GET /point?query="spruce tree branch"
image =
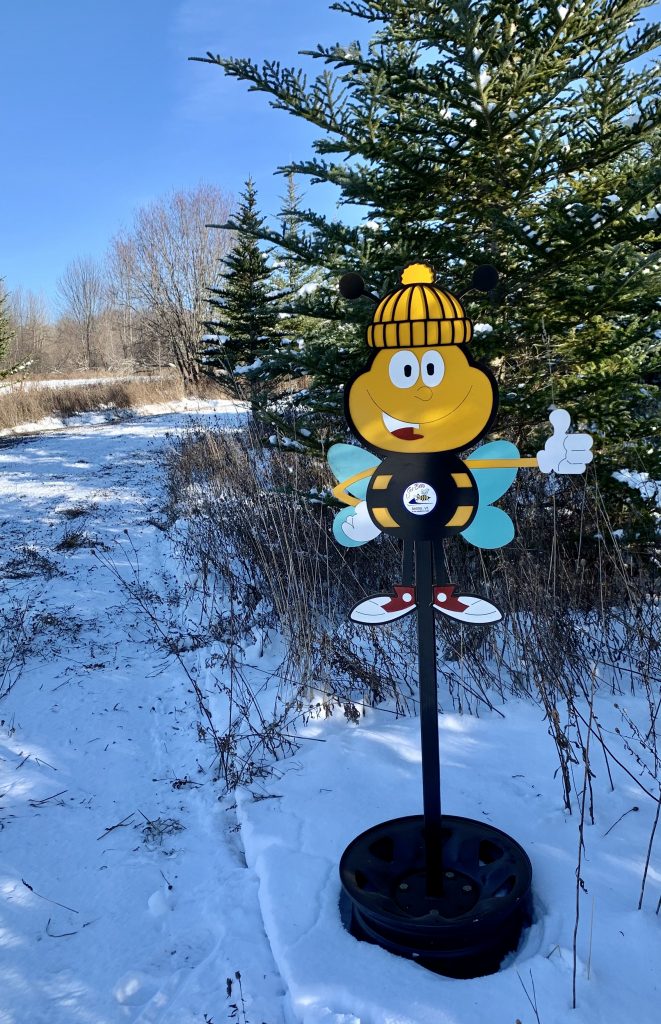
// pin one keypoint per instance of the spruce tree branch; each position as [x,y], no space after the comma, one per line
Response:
[359,9]
[288,88]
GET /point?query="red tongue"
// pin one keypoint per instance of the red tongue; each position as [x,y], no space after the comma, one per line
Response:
[406,433]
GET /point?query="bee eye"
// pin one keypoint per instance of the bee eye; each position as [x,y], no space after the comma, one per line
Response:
[404,369]
[433,368]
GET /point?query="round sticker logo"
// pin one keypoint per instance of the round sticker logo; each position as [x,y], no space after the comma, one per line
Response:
[419,499]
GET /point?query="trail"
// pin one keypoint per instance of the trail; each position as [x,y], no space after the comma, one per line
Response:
[124,893]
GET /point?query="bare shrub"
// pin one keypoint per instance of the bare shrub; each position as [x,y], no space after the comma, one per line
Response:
[255,525]
[258,521]
[17,634]
[253,531]
[28,563]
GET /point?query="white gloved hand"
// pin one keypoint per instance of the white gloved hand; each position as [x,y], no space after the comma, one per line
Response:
[563,452]
[359,527]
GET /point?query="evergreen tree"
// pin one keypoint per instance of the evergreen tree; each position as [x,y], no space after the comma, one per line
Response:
[309,343]
[523,134]
[293,276]
[244,324]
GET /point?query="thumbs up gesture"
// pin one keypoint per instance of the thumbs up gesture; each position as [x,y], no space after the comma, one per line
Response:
[564,452]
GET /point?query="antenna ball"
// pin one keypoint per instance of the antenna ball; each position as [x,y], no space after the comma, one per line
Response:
[351,286]
[485,278]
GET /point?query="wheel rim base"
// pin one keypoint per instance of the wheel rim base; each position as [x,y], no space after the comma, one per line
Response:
[464,932]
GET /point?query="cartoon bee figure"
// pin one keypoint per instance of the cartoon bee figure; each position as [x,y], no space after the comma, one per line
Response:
[420,400]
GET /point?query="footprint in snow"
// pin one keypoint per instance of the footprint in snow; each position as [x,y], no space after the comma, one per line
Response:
[135,988]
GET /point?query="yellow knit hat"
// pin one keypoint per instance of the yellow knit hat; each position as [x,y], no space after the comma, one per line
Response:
[418,314]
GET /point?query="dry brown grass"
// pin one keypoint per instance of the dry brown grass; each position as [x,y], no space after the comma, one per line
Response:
[24,404]
[256,538]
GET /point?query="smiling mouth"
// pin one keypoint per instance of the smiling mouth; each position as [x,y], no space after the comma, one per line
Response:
[400,428]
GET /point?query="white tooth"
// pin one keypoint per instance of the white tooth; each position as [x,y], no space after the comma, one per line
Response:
[391,424]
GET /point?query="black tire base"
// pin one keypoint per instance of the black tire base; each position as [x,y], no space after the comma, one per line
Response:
[470,926]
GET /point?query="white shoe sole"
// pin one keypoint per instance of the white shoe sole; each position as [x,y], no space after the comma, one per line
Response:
[478,613]
[372,613]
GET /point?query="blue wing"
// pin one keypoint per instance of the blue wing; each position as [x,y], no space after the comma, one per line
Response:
[345,460]
[492,528]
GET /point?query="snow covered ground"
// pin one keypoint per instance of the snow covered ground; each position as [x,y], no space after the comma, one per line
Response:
[129,892]
[73,382]
[51,423]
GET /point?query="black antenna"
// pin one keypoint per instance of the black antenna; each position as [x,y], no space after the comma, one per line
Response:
[484,279]
[353,287]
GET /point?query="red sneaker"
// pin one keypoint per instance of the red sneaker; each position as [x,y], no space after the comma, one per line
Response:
[465,608]
[385,607]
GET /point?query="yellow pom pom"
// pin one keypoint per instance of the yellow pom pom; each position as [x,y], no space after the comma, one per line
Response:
[417,273]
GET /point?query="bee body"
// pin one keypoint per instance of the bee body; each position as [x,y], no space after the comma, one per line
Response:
[422,497]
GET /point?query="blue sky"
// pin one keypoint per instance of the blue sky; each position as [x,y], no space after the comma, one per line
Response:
[102,113]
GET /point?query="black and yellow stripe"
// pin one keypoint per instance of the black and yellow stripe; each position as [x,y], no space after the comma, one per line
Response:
[419,315]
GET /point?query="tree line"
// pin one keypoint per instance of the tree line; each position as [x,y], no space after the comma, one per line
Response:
[140,306]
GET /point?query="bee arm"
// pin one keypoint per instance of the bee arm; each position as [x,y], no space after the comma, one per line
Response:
[341,490]
[501,463]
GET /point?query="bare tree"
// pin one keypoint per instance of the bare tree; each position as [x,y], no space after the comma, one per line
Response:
[32,328]
[163,266]
[121,294]
[6,325]
[82,293]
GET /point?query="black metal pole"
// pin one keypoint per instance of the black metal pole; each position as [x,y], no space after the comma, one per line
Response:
[431,770]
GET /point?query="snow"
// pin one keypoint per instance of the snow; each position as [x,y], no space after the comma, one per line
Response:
[255,365]
[131,889]
[287,442]
[28,385]
[649,489]
[100,417]
[482,328]
[101,919]
[307,289]
[295,832]
[652,214]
